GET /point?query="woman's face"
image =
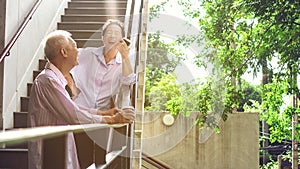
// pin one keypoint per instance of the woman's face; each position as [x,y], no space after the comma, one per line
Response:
[113,35]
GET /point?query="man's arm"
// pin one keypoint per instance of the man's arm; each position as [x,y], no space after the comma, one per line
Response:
[63,106]
[66,108]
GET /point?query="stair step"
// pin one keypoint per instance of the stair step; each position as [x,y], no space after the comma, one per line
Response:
[36,73]
[24,104]
[86,34]
[14,158]
[96,11]
[17,146]
[108,4]
[42,64]
[89,42]
[29,85]
[80,25]
[90,18]
[20,119]
[23,145]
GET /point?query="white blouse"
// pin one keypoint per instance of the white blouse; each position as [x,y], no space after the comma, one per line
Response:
[99,82]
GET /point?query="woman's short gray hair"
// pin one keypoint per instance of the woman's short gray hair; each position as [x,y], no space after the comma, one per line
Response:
[111,22]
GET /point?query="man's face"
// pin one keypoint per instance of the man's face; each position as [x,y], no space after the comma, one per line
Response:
[113,35]
[73,52]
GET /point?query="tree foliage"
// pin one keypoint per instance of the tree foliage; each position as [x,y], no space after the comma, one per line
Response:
[243,34]
[251,94]
[162,59]
[163,91]
[192,97]
[238,35]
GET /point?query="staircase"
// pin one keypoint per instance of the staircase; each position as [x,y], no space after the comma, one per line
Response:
[84,19]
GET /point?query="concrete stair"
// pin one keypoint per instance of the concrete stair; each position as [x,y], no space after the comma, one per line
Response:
[9,156]
[95,11]
[97,4]
[80,25]
[88,34]
[84,19]
[88,18]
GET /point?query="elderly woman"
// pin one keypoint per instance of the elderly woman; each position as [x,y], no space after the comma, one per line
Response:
[103,70]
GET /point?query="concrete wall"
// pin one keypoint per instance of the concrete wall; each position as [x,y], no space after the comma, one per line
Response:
[184,146]
[27,50]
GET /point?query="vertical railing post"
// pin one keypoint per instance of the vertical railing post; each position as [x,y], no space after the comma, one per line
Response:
[140,86]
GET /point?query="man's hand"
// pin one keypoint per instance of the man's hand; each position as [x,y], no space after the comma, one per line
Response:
[115,119]
[128,114]
[109,112]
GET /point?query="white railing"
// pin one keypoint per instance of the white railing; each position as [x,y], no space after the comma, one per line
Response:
[54,144]
[21,135]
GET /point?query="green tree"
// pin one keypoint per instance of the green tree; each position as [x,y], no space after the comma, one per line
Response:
[250,34]
[251,93]
[243,33]
[163,91]
[162,59]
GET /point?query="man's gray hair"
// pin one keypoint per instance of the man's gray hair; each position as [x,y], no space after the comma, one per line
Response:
[54,41]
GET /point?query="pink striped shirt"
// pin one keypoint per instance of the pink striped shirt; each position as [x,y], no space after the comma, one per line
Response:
[50,104]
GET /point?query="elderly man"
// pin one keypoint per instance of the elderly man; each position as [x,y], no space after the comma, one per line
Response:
[51,104]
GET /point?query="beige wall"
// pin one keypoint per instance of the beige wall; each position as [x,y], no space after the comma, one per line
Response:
[183,146]
[27,50]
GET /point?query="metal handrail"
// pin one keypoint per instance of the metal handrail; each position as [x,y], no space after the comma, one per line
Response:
[16,136]
[7,48]
[154,162]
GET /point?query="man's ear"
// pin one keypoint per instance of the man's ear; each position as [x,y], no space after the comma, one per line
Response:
[63,51]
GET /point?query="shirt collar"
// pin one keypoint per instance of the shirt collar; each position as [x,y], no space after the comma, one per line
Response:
[99,53]
[57,72]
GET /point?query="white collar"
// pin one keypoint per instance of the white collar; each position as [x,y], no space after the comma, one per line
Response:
[57,72]
[99,53]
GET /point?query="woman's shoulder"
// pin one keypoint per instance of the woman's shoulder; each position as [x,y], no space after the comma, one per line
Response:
[90,51]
